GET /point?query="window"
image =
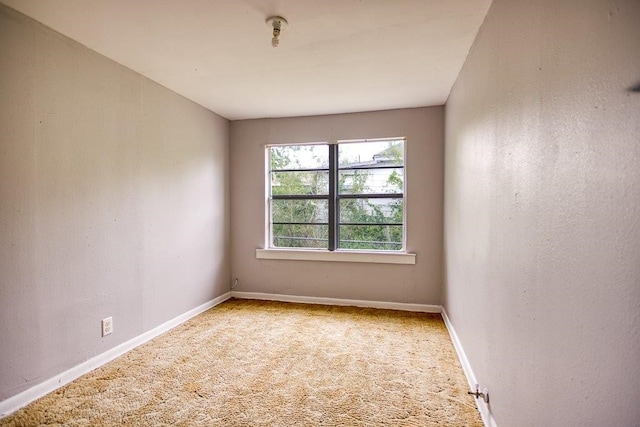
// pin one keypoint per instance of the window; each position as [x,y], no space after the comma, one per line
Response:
[347,195]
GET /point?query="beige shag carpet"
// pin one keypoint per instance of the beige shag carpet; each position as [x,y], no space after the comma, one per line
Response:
[258,363]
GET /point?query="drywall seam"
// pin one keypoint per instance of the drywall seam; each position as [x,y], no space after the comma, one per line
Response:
[16,402]
[485,410]
[426,308]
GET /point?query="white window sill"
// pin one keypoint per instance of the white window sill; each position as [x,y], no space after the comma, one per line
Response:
[337,256]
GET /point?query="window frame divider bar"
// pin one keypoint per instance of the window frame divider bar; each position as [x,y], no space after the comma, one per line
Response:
[300,170]
[333,201]
[372,196]
[300,196]
[359,168]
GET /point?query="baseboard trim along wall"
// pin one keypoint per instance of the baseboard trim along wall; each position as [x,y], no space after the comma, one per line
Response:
[16,402]
[485,410]
[426,308]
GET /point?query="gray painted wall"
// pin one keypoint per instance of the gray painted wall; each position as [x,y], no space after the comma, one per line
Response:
[419,283]
[542,202]
[114,202]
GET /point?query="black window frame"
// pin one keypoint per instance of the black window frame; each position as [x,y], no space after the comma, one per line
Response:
[333,197]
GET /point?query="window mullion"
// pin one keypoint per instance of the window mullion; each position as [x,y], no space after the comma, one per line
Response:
[333,197]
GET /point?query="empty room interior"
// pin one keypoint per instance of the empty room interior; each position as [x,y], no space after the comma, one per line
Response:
[305,212]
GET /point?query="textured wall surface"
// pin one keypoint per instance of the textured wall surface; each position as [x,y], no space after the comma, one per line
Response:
[113,203]
[542,208]
[419,283]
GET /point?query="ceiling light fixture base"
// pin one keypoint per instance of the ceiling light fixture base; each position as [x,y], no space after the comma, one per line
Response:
[278,23]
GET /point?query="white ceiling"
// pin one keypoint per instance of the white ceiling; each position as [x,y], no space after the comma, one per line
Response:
[335,56]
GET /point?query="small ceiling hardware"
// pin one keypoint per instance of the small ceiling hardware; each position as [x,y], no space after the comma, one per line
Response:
[278,23]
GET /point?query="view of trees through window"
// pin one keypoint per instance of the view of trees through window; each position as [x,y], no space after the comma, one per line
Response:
[364,210]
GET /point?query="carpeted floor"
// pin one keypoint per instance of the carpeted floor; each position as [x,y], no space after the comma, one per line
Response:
[257,363]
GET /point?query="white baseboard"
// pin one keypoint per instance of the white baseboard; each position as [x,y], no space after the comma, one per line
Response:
[426,308]
[16,402]
[22,399]
[483,407]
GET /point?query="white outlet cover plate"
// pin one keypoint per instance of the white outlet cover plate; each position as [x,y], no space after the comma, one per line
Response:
[107,326]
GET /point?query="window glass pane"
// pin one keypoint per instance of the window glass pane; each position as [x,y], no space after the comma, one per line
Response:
[305,211]
[371,237]
[299,183]
[371,181]
[367,174]
[371,154]
[300,236]
[371,211]
[299,157]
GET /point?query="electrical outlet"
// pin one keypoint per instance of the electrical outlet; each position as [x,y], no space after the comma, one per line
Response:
[107,326]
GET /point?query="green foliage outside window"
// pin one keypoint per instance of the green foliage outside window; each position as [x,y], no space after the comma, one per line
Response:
[376,222]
